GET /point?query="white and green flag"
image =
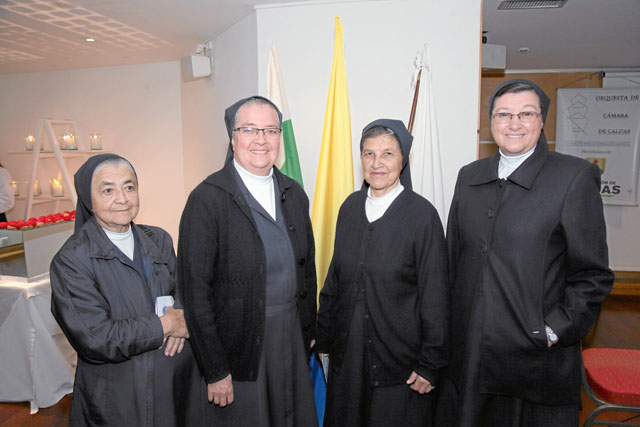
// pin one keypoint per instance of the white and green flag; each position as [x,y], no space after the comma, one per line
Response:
[287,161]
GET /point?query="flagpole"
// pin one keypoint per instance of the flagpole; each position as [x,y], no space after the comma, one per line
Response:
[426,159]
[412,115]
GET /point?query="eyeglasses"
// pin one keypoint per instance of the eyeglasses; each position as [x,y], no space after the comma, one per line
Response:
[269,133]
[524,116]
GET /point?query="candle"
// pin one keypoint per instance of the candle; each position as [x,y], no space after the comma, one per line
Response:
[16,189]
[36,188]
[70,140]
[62,142]
[94,139]
[28,142]
[56,187]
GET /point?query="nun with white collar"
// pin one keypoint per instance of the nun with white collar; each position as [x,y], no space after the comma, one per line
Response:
[384,308]
[247,277]
[528,271]
[108,282]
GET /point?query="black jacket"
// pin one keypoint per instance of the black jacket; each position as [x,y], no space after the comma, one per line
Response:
[222,273]
[107,313]
[534,245]
[399,264]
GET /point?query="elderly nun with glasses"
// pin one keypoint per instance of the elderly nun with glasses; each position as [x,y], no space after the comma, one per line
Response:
[528,272]
[384,306]
[248,280]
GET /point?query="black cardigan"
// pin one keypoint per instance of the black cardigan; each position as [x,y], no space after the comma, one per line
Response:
[222,273]
[401,262]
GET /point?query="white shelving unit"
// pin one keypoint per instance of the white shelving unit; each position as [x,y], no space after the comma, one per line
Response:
[45,128]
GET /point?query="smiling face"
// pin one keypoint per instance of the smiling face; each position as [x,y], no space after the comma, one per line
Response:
[514,137]
[381,163]
[256,153]
[114,196]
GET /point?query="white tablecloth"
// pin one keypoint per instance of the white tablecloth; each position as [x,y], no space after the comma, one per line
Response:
[37,363]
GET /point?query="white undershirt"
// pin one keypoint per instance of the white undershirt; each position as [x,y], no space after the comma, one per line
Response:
[375,207]
[124,241]
[260,187]
[507,165]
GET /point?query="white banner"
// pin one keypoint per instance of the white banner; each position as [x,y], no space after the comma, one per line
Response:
[603,127]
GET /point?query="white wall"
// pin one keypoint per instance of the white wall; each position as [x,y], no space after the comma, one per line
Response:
[381,39]
[234,76]
[173,131]
[135,108]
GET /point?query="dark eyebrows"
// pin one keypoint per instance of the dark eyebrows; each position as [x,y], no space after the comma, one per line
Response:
[111,183]
[253,125]
[535,107]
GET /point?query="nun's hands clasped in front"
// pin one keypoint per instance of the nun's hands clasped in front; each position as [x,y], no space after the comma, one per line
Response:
[384,308]
[108,282]
[115,204]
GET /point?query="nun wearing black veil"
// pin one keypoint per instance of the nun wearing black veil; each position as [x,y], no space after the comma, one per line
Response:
[384,308]
[248,280]
[528,271]
[135,367]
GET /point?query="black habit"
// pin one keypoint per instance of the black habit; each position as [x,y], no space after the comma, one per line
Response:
[524,252]
[384,312]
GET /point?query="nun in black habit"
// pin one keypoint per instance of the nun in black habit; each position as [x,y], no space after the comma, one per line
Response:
[528,272]
[384,308]
[134,366]
[247,276]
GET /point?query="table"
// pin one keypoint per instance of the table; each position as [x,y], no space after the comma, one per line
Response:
[37,363]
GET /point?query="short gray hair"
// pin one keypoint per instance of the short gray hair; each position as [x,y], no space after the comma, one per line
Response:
[377,131]
[115,162]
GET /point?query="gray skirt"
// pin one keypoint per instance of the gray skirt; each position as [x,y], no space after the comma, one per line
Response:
[282,394]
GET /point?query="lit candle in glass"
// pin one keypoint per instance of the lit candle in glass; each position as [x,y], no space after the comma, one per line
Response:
[94,140]
[70,140]
[28,142]
[36,188]
[55,187]
[16,189]
[62,142]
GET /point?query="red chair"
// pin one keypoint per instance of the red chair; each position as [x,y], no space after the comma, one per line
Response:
[611,378]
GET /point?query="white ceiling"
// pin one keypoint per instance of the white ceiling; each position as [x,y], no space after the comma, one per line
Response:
[583,34]
[47,35]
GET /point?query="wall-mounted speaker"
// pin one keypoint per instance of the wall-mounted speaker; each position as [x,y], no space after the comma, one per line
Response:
[195,67]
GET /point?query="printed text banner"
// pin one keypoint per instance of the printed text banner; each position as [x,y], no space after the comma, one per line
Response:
[603,127]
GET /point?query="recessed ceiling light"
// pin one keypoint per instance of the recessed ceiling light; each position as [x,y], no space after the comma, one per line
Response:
[523,49]
[89,39]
